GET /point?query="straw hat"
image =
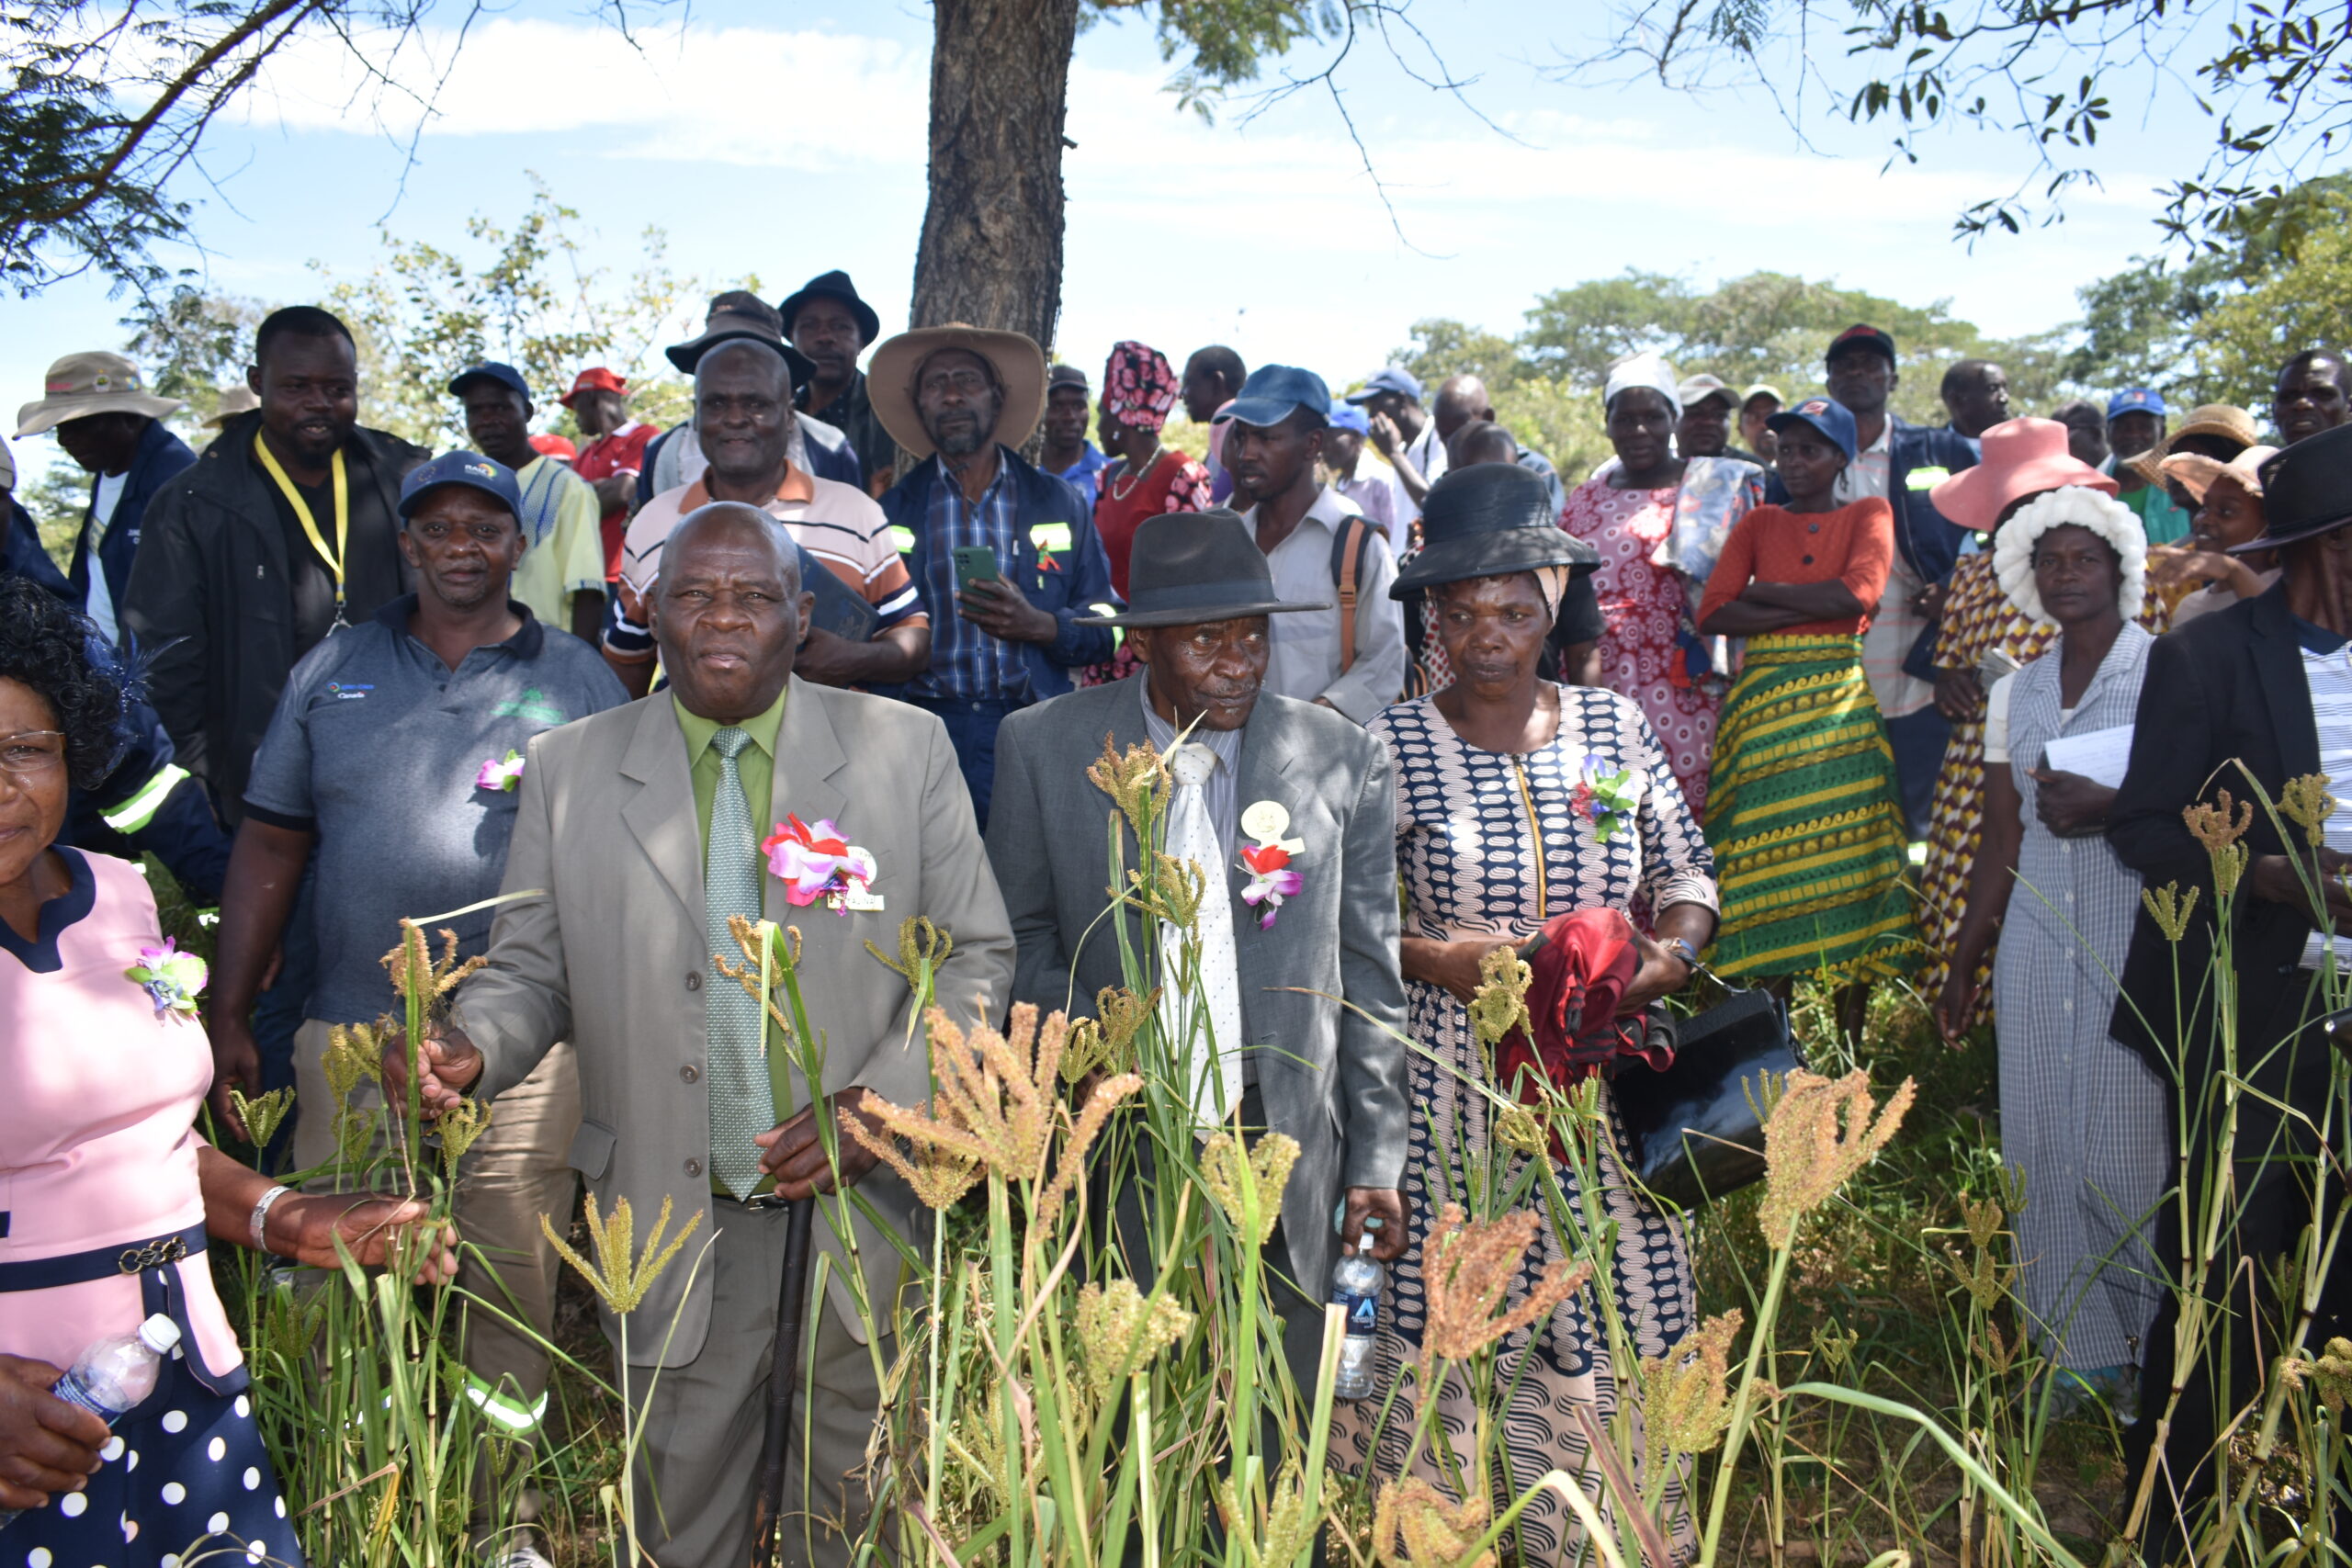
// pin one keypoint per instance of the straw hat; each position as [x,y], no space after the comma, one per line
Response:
[82,384]
[1020,368]
[2225,420]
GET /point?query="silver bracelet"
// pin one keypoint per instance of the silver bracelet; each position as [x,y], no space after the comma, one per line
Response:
[260,1215]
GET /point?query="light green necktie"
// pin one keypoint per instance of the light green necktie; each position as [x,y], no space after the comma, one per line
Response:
[742,1101]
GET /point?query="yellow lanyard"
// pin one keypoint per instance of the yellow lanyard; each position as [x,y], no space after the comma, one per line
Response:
[310,524]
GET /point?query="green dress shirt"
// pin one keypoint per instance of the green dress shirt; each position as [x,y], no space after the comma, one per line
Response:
[757,766]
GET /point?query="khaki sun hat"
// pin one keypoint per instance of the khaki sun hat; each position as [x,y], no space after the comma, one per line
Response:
[1020,367]
[234,400]
[2199,474]
[82,384]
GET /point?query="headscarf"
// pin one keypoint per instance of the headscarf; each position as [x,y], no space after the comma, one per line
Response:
[1643,369]
[2085,508]
[1139,386]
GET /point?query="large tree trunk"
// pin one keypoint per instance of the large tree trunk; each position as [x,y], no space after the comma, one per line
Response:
[992,252]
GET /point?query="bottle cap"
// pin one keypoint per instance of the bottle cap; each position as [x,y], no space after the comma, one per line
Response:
[160,1334]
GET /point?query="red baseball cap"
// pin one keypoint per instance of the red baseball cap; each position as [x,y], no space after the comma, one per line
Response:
[595,379]
[555,446]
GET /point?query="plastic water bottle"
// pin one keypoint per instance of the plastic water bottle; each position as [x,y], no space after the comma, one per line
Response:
[1357,1281]
[115,1374]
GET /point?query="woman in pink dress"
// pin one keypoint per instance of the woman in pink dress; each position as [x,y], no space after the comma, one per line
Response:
[111,1195]
[1659,521]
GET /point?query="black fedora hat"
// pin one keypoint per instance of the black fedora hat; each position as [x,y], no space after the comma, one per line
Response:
[1188,568]
[833,285]
[738,315]
[1488,520]
[2306,490]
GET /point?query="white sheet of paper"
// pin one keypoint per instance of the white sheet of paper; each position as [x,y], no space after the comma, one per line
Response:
[2101,755]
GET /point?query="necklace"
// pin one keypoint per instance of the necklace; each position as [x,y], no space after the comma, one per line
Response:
[1159,450]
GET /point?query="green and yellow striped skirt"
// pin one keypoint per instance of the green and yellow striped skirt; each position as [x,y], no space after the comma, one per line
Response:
[1804,819]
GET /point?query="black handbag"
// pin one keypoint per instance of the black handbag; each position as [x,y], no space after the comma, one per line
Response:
[1693,1129]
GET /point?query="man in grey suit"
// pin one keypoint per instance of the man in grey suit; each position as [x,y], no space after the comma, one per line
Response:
[635,831]
[1270,770]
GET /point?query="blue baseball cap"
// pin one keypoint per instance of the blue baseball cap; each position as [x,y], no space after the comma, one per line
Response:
[1833,419]
[1345,415]
[2136,399]
[1273,391]
[484,474]
[504,375]
[1394,378]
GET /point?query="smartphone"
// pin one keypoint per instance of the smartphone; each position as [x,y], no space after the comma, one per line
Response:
[975,563]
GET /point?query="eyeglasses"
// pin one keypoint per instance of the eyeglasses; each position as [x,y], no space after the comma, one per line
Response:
[30,754]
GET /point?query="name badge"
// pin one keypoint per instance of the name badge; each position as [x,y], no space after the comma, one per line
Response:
[862,902]
[1049,537]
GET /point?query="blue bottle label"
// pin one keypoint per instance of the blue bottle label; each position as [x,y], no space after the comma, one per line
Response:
[1363,1311]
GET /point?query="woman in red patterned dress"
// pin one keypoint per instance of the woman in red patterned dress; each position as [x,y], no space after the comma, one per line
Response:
[1148,478]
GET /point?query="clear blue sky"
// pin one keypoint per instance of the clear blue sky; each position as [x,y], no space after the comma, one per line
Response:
[786,138]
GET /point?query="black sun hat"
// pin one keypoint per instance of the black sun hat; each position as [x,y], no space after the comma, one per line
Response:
[1190,569]
[2306,490]
[1489,520]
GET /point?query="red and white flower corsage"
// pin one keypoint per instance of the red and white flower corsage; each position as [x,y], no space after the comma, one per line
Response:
[816,863]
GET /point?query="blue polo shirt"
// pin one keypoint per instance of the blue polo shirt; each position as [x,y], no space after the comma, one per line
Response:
[374,747]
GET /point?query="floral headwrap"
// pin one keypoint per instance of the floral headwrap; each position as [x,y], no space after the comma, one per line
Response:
[1139,386]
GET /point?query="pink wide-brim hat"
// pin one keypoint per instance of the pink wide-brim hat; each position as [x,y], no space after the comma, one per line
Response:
[2022,458]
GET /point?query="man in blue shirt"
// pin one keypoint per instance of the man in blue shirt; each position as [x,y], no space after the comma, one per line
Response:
[393,756]
[1065,453]
[1004,554]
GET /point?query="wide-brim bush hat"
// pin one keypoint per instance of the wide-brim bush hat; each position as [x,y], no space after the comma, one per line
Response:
[2306,490]
[1489,520]
[2197,474]
[738,314]
[2022,458]
[2083,507]
[81,385]
[1020,367]
[1193,568]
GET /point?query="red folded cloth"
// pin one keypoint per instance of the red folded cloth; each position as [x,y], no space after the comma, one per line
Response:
[1582,964]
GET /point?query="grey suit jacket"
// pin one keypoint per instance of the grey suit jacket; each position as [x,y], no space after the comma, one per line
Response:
[1332,1075]
[613,957]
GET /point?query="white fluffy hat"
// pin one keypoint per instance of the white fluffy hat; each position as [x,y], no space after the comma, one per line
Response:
[2083,508]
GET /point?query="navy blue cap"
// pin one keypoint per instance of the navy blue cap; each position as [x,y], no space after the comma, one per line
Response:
[2136,399]
[1868,336]
[504,375]
[1274,391]
[484,474]
[1833,419]
[1393,378]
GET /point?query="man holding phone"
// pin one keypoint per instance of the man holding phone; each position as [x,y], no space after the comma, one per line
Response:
[1009,549]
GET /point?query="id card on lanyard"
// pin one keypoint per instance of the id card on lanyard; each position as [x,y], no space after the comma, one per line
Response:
[334,557]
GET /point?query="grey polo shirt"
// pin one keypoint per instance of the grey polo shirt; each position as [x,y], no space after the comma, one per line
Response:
[374,747]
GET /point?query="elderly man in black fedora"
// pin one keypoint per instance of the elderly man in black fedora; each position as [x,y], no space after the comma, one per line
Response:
[827,321]
[2254,695]
[1253,769]
[1004,554]
[675,456]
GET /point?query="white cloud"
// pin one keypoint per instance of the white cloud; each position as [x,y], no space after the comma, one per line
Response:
[756,96]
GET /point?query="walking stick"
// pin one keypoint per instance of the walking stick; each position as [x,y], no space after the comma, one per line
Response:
[784,1375]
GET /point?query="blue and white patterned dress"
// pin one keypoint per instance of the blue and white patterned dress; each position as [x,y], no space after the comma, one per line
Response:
[1474,865]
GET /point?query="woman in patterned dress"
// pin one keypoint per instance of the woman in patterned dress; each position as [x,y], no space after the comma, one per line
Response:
[1496,833]
[1147,476]
[2023,458]
[2083,1117]
[1659,521]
